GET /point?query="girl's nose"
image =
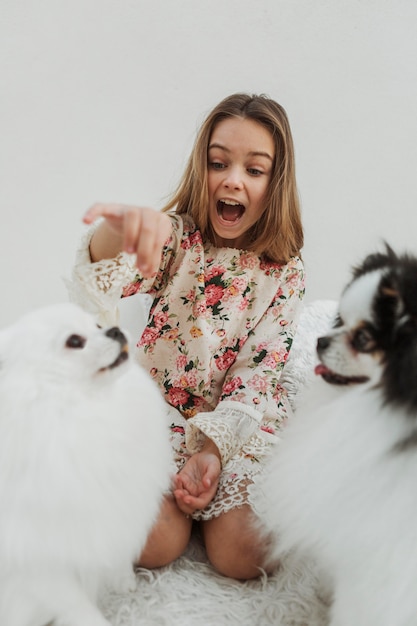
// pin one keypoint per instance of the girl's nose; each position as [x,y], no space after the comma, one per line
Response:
[233,179]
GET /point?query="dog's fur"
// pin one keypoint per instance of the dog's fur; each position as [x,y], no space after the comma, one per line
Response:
[84,461]
[342,485]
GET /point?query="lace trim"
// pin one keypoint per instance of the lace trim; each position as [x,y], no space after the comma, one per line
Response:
[97,287]
[230,426]
[238,481]
[240,473]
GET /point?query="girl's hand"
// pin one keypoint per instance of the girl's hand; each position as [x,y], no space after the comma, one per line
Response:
[136,230]
[196,484]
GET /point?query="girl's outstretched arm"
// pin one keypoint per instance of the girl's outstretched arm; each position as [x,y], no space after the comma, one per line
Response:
[136,230]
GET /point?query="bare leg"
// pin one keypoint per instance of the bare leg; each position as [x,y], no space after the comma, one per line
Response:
[168,538]
[234,545]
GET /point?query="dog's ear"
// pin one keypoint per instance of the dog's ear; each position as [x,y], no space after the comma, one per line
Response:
[396,311]
[376,261]
[389,300]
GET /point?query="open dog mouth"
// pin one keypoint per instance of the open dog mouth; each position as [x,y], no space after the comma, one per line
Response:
[337,379]
[230,210]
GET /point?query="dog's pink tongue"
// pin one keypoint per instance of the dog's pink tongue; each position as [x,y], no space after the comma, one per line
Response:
[230,212]
[321,369]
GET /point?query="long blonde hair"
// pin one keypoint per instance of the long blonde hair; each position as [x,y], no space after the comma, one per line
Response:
[278,234]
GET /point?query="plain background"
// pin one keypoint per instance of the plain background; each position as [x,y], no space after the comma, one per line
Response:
[101,100]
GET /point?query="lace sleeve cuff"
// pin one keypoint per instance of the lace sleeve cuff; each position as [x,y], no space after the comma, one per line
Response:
[229,426]
[97,287]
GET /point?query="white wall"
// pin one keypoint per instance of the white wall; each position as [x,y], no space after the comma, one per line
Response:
[100,100]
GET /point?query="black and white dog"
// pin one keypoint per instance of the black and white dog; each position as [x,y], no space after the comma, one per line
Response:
[343,484]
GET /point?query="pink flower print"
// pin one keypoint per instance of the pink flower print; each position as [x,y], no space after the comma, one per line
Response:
[177,396]
[149,336]
[181,382]
[271,360]
[172,334]
[131,289]
[177,429]
[268,429]
[238,397]
[258,383]
[192,240]
[198,402]
[186,380]
[190,296]
[282,352]
[267,266]
[181,361]
[277,310]
[229,293]
[213,294]
[199,309]
[247,261]
[276,356]
[195,237]
[232,385]
[186,244]
[160,319]
[216,270]
[242,341]
[191,380]
[240,283]
[277,395]
[293,279]
[227,359]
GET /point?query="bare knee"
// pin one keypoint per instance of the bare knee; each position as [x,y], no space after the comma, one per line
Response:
[234,545]
[168,538]
[239,566]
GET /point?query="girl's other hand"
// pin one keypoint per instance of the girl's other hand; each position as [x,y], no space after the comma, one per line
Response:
[195,486]
[136,230]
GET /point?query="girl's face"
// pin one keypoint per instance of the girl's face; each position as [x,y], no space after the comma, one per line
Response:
[240,160]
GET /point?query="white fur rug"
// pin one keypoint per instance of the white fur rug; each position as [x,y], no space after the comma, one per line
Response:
[190,592]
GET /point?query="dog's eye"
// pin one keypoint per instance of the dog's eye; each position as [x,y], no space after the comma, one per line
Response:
[75,341]
[363,340]
[338,322]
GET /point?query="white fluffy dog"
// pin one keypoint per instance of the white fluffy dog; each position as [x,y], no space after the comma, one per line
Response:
[84,460]
[343,484]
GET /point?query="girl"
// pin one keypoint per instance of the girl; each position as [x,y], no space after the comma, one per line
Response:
[222,264]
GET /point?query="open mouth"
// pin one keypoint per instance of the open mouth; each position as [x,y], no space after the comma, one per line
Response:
[122,357]
[230,210]
[337,379]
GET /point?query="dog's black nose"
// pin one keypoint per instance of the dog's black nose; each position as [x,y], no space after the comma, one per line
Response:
[322,343]
[116,334]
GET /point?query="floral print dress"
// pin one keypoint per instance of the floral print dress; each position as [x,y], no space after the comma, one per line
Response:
[219,332]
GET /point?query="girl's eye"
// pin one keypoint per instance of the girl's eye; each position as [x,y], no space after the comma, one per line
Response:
[254,172]
[217,166]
